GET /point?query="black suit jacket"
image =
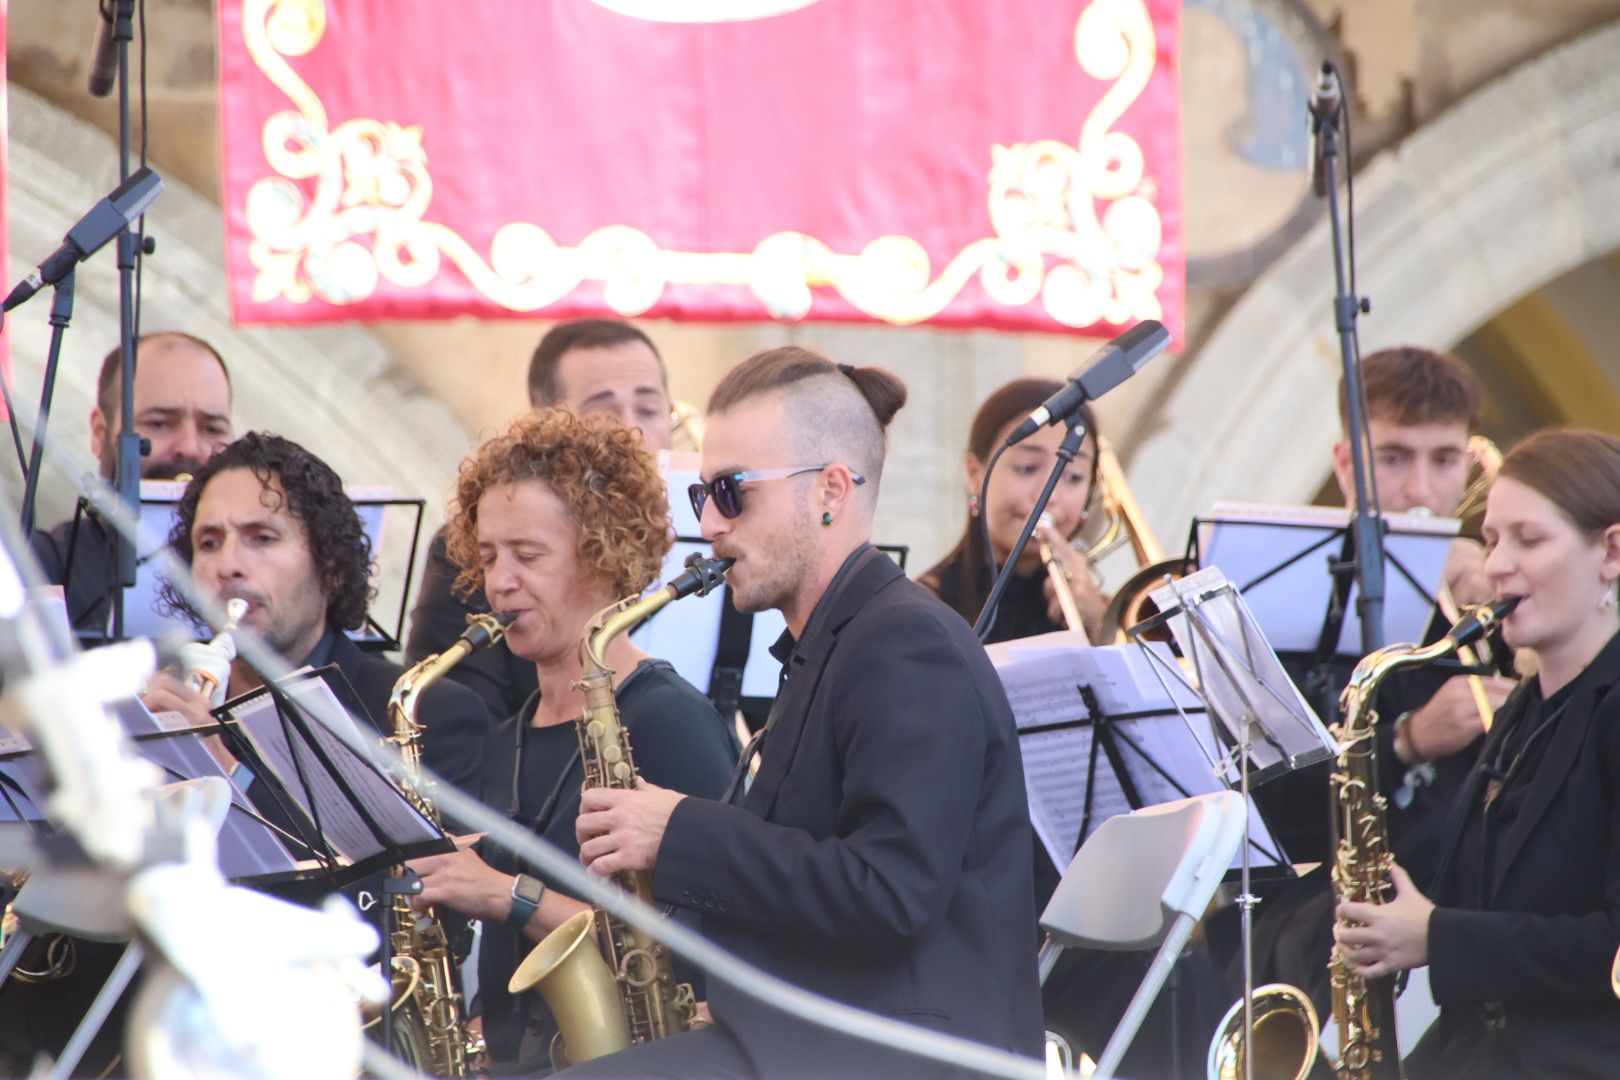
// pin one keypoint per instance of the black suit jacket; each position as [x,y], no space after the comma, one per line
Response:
[1524,985]
[882,855]
[88,583]
[503,681]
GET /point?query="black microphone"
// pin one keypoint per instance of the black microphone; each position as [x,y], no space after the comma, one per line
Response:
[106,219]
[104,61]
[1324,107]
[1108,367]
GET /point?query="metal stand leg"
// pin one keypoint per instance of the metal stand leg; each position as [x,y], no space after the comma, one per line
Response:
[15,944]
[113,989]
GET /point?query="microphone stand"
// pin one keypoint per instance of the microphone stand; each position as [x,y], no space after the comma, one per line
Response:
[1366,525]
[129,443]
[1065,454]
[61,315]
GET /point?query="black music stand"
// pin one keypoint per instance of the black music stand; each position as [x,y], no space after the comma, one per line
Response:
[1096,734]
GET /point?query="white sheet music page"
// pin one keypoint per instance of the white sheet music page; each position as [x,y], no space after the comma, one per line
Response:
[1278,556]
[1042,677]
[345,830]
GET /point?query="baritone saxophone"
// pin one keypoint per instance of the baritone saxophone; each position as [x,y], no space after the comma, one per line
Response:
[430,1032]
[626,993]
[1364,1009]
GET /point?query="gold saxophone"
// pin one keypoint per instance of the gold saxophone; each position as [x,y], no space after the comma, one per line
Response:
[1364,1009]
[430,1031]
[626,993]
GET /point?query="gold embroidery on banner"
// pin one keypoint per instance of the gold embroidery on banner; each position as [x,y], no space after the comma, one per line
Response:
[1074,225]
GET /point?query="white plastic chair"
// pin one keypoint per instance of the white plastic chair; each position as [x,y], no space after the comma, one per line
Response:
[1141,881]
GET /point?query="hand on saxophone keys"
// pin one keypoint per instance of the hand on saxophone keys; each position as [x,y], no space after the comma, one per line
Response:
[621,829]
[1376,940]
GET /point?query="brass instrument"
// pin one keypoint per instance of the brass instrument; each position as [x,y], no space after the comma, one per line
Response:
[1486,462]
[1119,515]
[1114,519]
[430,1032]
[204,682]
[1061,585]
[1365,1009]
[686,426]
[1284,1041]
[626,993]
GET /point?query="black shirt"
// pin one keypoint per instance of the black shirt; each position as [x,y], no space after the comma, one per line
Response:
[534,774]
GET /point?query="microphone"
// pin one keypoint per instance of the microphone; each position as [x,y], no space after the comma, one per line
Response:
[1108,367]
[104,61]
[1324,108]
[106,219]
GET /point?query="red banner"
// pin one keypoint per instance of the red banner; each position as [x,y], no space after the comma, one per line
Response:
[956,162]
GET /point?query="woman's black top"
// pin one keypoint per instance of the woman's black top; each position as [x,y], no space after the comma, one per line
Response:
[534,774]
[1021,613]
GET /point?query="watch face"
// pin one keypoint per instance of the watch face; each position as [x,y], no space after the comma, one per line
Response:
[527,888]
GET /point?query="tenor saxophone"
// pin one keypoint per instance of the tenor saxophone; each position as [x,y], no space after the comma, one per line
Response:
[431,1031]
[1364,1009]
[626,993]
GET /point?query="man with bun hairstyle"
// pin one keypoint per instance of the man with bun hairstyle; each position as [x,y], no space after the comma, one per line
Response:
[881,854]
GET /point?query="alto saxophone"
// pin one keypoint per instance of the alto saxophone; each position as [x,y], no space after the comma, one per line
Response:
[432,1033]
[1364,1009]
[626,993]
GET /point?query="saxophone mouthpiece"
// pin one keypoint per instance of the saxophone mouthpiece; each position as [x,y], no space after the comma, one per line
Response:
[1480,620]
[702,576]
[488,628]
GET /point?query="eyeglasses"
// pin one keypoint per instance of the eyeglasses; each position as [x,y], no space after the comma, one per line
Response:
[727,487]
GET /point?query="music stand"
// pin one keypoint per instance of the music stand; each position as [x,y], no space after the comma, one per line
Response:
[143,612]
[1275,556]
[1244,684]
[1096,737]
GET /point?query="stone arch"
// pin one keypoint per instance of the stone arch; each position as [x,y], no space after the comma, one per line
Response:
[1515,185]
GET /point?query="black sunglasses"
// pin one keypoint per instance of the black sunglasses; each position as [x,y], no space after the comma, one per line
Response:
[726,488]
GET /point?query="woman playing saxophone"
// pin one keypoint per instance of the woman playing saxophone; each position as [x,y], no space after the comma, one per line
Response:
[557,518]
[1524,918]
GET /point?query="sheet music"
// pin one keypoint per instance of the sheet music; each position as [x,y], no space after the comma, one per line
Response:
[1042,676]
[1242,679]
[341,823]
[1278,556]
[25,783]
[247,846]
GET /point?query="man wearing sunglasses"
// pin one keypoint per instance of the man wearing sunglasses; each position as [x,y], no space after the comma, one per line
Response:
[881,855]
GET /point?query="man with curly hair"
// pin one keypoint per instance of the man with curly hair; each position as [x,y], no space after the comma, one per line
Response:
[554,520]
[268,522]
[589,367]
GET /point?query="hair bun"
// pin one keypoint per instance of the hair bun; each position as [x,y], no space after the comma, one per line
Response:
[882,389]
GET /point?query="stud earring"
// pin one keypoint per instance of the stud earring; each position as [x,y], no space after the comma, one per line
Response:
[826,517]
[1606,601]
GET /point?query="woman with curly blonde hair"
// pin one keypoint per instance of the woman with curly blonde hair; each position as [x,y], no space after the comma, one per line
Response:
[555,519]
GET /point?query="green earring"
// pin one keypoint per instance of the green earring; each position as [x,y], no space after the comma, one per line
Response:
[826,517]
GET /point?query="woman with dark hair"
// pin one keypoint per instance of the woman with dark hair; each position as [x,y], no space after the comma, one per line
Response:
[555,519]
[1524,923]
[1030,605]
